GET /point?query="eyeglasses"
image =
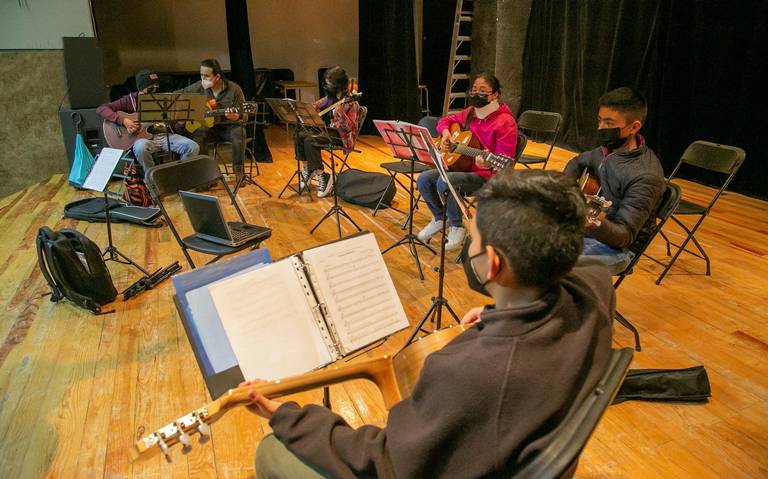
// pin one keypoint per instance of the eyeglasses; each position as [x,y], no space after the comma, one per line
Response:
[480,92]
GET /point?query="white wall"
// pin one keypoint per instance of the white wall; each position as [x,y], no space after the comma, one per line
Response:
[40,24]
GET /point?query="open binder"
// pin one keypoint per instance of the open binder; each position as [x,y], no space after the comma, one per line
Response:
[307,310]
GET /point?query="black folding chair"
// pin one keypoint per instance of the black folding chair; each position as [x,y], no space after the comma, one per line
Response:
[561,456]
[723,159]
[198,172]
[541,127]
[669,202]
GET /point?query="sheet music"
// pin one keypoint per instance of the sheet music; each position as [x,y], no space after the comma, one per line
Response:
[354,283]
[101,172]
[270,323]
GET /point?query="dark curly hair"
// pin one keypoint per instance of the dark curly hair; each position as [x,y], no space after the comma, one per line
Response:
[536,220]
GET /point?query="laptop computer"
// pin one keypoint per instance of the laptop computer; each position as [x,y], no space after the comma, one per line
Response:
[209,224]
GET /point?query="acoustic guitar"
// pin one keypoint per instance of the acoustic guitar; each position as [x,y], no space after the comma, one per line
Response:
[498,162]
[455,160]
[118,136]
[395,377]
[590,186]
[213,111]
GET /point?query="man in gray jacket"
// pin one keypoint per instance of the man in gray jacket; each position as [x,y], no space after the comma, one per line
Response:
[491,399]
[630,177]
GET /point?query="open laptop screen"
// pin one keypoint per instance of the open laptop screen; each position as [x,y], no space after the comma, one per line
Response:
[205,214]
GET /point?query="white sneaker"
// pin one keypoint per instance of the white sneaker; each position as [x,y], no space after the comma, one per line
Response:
[432,228]
[456,236]
[304,177]
[324,185]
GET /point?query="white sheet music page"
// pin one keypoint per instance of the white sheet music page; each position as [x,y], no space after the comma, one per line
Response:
[106,163]
[270,323]
[353,280]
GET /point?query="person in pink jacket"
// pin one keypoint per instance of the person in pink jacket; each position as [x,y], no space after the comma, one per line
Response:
[493,124]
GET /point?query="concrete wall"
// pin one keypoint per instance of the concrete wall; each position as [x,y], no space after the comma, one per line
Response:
[498,39]
[31,146]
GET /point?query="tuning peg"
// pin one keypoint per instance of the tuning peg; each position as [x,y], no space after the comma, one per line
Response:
[185,442]
[204,431]
[164,448]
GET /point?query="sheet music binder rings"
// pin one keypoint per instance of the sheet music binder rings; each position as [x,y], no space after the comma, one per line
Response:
[319,309]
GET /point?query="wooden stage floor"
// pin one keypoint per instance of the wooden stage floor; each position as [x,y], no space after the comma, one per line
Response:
[76,390]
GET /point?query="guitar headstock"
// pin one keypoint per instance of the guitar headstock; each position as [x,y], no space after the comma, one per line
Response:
[500,162]
[596,205]
[177,432]
[249,107]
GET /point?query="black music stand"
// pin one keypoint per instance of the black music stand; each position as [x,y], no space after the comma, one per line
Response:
[247,177]
[299,114]
[439,301]
[405,141]
[168,108]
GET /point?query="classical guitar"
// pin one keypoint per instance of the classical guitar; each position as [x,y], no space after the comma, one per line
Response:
[395,377]
[497,161]
[118,136]
[454,159]
[213,111]
[590,186]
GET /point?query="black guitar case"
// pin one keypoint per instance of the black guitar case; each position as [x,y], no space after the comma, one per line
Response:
[93,211]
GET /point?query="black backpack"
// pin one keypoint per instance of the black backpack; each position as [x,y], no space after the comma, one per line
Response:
[74,269]
[365,188]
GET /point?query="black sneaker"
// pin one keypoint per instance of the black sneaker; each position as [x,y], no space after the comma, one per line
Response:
[324,185]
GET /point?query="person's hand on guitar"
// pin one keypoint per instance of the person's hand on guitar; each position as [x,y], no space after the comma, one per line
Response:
[445,140]
[131,125]
[232,114]
[473,315]
[481,162]
[594,221]
[260,404]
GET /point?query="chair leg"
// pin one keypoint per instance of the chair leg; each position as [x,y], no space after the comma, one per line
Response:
[680,250]
[383,194]
[624,322]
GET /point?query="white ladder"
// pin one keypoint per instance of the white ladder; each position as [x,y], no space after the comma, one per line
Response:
[457,82]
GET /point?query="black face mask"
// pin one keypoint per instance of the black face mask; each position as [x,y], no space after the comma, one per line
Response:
[610,138]
[478,101]
[469,270]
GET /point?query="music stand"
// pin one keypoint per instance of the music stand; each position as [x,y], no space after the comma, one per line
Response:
[439,301]
[299,114]
[405,141]
[167,108]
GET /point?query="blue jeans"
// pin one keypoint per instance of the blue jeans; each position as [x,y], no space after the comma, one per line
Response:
[143,149]
[617,260]
[433,189]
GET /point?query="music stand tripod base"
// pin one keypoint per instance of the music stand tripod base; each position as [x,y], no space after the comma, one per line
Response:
[336,209]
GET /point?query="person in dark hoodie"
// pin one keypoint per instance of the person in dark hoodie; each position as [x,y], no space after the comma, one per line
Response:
[630,177]
[493,124]
[490,400]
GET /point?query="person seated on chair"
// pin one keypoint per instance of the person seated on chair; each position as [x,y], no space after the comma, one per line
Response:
[493,124]
[222,94]
[343,132]
[630,176]
[122,112]
[489,400]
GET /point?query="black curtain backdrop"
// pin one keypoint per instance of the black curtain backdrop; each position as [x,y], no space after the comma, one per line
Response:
[697,62]
[239,41]
[387,62]
[437,33]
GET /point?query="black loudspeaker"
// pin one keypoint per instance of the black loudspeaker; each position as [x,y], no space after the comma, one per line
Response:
[84,68]
[88,123]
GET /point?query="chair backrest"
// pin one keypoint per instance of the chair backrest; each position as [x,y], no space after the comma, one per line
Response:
[540,121]
[169,178]
[430,123]
[669,202]
[714,157]
[522,141]
[361,114]
[559,458]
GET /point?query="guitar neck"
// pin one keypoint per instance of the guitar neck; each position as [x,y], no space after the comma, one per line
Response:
[497,161]
[379,371]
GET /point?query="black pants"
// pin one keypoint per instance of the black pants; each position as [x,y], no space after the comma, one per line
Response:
[233,133]
[308,147]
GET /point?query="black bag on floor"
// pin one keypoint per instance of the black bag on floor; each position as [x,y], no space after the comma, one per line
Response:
[73,267]
[365,188]
[665,385]
[92,210]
